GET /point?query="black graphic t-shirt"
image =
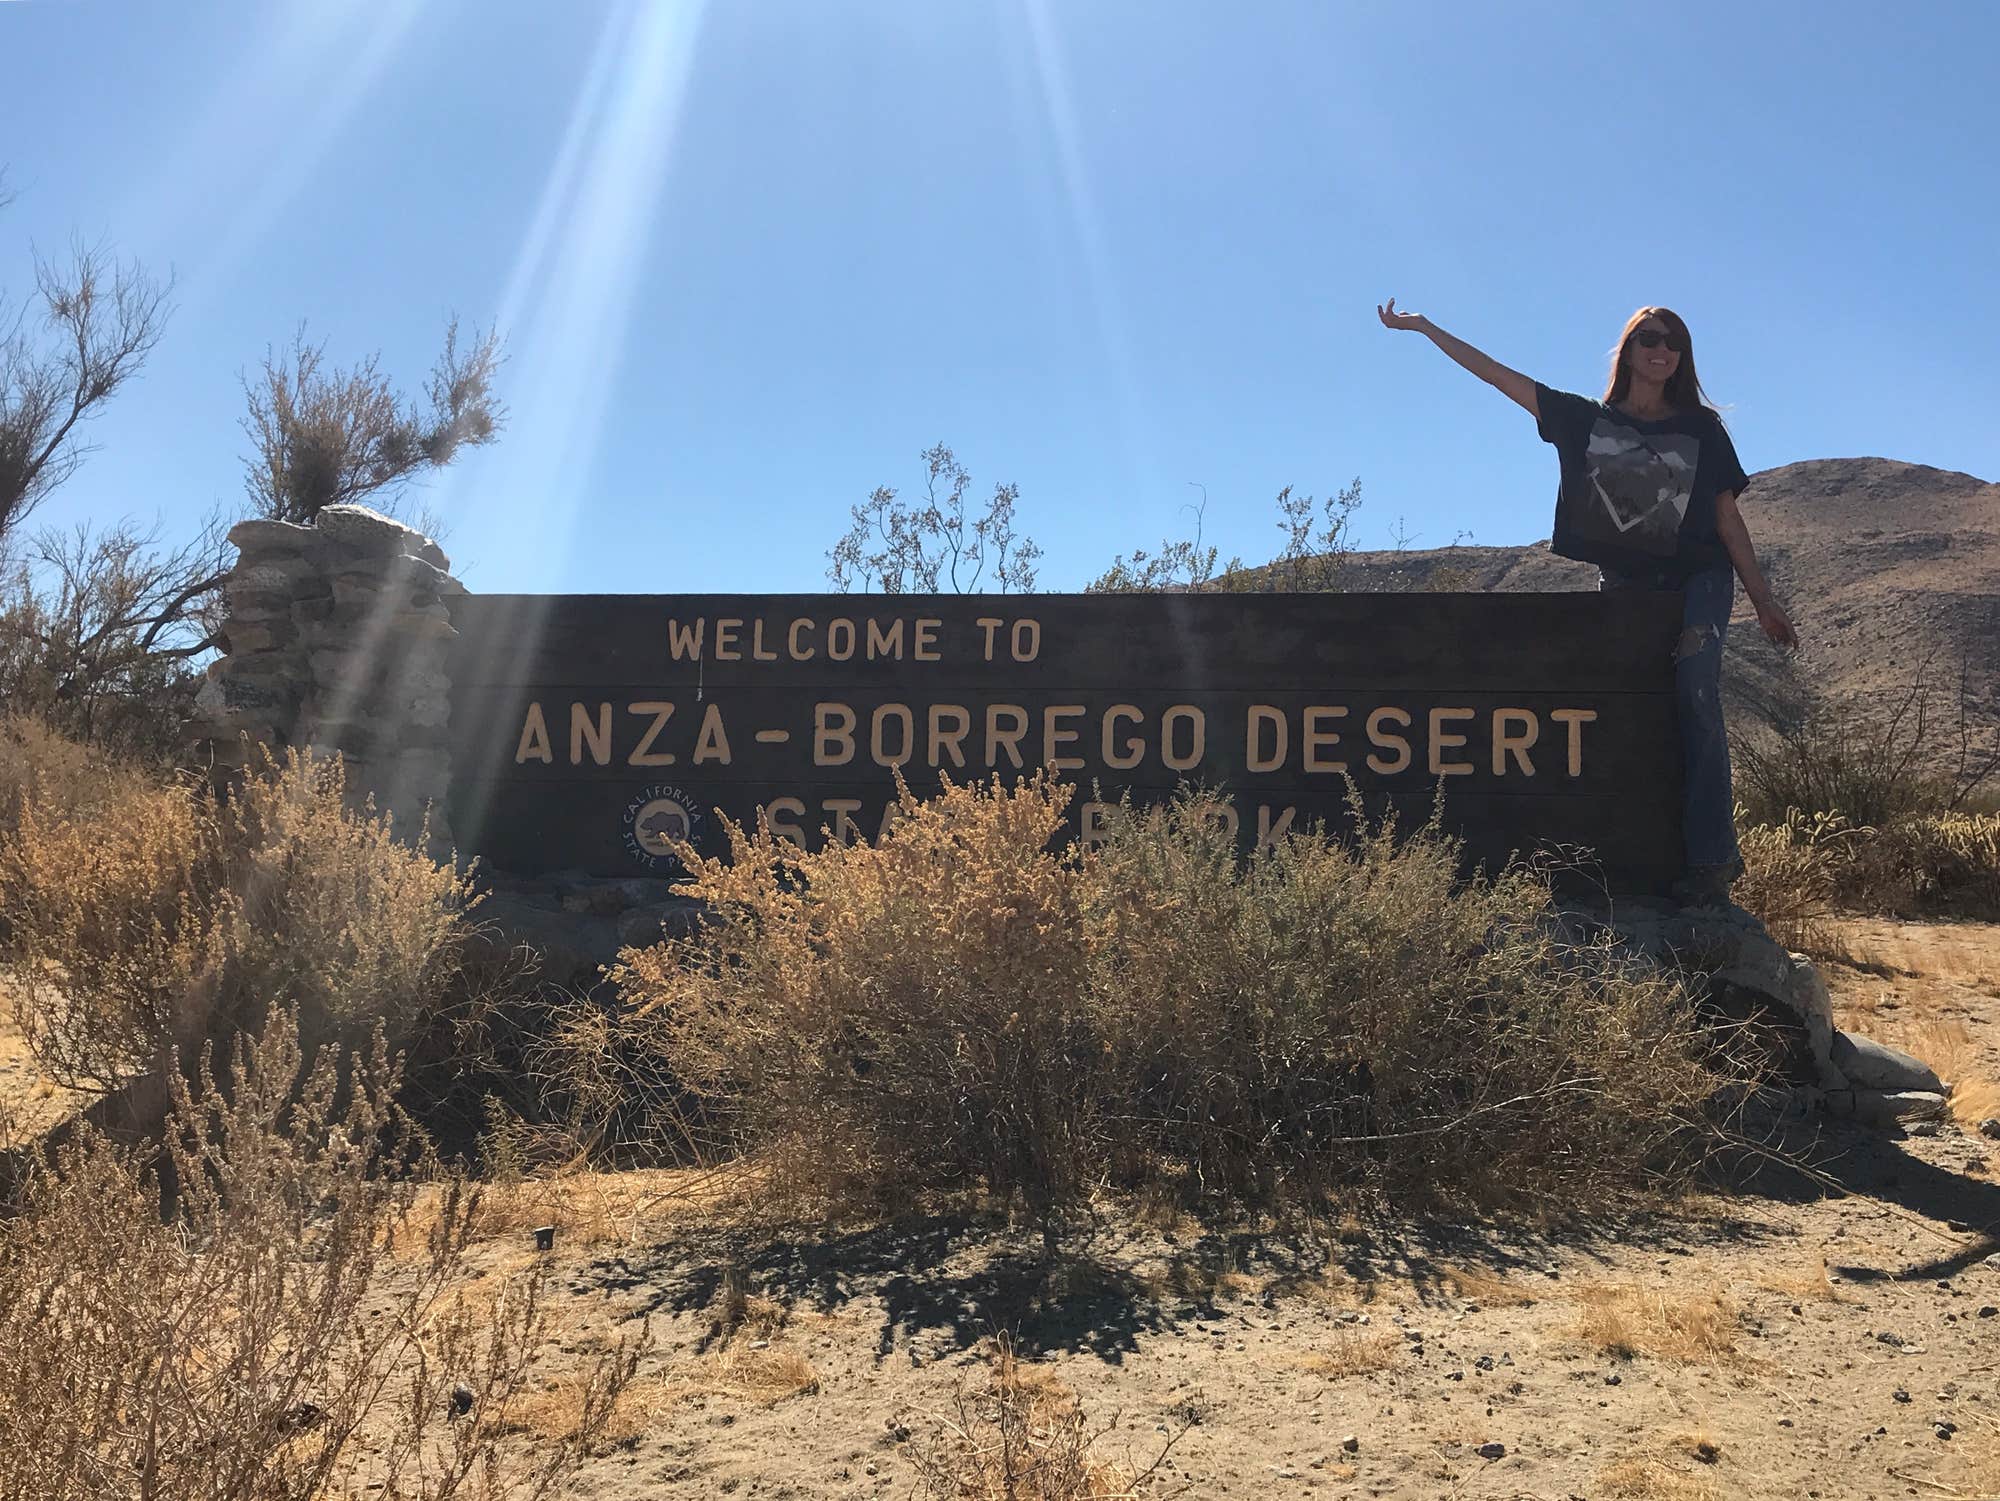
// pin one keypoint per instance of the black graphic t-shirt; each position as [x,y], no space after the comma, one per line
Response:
[1638,494]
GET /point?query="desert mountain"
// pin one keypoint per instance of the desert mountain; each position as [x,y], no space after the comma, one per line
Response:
[1887,568]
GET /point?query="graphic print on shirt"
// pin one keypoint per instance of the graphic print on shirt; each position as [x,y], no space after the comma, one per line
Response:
[1639,485]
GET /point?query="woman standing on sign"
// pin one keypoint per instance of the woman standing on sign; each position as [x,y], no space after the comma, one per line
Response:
[1649,486]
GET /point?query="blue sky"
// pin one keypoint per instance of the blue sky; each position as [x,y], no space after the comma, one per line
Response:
[751,257]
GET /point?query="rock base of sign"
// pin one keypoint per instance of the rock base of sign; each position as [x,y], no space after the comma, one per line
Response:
[335,641]
[1744,974]
[577,923]
[1739,971]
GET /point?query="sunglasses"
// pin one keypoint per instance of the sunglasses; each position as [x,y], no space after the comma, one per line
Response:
[1652,338]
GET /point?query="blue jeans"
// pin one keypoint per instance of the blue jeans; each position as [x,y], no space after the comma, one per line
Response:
[1708,821]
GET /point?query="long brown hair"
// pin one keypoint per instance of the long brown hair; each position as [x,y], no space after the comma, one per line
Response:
[1683,390]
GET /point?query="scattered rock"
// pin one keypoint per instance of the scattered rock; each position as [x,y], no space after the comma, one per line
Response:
[1484,1362]
[1612,1378]
[462,1398]
[1351,1443]
[1874,1107]
[1491,1450]
[1987,1310]
[1899,1395]
[1944,1430]
[1990,1127]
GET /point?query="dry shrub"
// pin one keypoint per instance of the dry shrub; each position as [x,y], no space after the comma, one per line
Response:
[1790,872]
[38,765]
[257,1341]
[150,917]
[960,1004]
[1024,1438]
[1627,1321]
[907,1014]
[1933,865]
[1341,1014]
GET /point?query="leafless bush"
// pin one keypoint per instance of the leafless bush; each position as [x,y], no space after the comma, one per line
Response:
[290,1329]
[99,631]
[958,1003]
[157,919]
[940,543]
[324,436]
[1318,539]
[94,323]
[1927,752]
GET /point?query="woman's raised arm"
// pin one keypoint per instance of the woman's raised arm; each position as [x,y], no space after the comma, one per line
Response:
[1509,383]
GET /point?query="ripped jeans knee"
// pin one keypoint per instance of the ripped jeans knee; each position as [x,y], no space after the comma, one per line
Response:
[1695,640]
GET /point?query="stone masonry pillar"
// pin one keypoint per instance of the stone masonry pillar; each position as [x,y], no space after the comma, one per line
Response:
[336,641]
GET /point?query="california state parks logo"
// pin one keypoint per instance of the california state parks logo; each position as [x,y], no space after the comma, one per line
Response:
[654,820]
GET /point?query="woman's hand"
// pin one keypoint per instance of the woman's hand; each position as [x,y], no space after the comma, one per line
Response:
[1776,623]
[1413,322]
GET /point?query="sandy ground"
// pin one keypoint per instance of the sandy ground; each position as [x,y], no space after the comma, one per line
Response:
[1790,1336]
[1786,1338]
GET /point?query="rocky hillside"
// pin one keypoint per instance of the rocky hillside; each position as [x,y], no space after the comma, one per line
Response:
[1885,567]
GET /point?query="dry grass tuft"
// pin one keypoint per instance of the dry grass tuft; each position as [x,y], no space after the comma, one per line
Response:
[1789,874]
[766,1377]
[1642,1477]
[1699,1445]
[558,1408]
[1811,1286]
[1973,1101]
[1024,1438]
[1352,1351]
[1948,1046]
[1488,1289]
[1627,1321]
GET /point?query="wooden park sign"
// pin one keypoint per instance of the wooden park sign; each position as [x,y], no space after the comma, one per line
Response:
[587,730]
